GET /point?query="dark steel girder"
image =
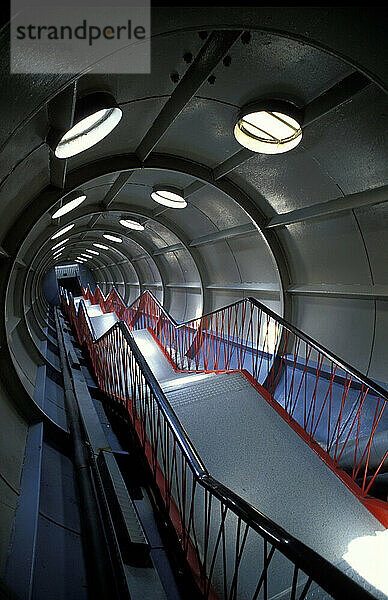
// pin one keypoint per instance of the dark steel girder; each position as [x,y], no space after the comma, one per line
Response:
[60,116]
[216,46]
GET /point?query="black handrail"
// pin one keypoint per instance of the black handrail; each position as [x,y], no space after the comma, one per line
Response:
[369,383]
[326,575]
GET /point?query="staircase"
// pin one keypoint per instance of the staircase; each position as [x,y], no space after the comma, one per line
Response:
[224,416]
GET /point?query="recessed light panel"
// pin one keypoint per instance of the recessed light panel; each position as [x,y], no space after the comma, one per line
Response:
[101,246]
[62,231]
[94,252]
[170,198]
[112,238]
[60,244]
[131,224]
[96,115]
[68,206]
[269,131]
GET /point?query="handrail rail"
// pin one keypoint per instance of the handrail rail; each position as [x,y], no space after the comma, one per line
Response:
[280,360]
[317,568]
[372,385]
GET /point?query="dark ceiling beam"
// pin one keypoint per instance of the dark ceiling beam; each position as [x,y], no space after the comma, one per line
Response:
[165,249]
[345,203]
[224,234]
[216,46]
[115,189]
[341,93]
[60,116]
[193,187]
[232,163]
[336,96]
[341,290]
[110,196]
[91,224]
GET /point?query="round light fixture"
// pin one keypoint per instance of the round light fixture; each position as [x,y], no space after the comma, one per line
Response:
[131,224]
[168,196]
[60,244]
[269,127]
[62,231]
[112,238]
[71,202]
[96,115]
[101,246]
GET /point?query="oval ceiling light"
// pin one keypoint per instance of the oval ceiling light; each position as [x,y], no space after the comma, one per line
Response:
[131,224]
[96,115]
[112,238]
[60,244]
[101,246]
[269,127]
[168,196]
[71,202]
[62,231]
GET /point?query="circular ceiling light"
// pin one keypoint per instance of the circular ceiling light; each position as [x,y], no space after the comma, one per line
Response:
[60,244]
[269,127]
[101,246]
[112,238]
[71,202]
[62,231]
[96,115]
[131,224]
[168,196]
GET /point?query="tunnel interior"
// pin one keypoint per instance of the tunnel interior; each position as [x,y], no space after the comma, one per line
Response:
[302,232]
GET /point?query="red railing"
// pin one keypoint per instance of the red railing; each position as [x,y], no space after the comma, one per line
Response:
[233,550]
[341,414]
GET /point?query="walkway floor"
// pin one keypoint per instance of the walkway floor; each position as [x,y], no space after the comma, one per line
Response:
[247,446]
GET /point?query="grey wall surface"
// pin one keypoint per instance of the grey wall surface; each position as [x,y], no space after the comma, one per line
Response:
[327,274]
[11,463]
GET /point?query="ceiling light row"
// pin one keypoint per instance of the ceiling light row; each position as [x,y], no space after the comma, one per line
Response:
[268,126]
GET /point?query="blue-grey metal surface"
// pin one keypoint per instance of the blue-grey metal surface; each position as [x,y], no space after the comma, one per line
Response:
[22,554]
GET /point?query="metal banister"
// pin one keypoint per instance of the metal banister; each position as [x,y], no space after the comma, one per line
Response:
[318,569]
[372,385]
